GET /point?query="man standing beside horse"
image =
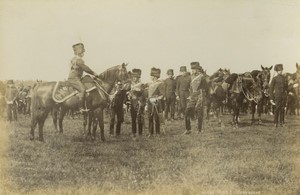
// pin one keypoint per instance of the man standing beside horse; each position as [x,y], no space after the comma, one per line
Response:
[137,102]
[278,95]
[198,94]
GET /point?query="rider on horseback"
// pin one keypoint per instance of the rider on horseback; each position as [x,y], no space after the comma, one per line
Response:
[77,68]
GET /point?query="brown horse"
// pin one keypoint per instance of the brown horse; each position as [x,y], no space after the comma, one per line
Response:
[263,79]
[293,97]
[242,86]
[217,94]
[43,103]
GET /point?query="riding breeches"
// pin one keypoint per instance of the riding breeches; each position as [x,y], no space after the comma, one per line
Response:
[77,84]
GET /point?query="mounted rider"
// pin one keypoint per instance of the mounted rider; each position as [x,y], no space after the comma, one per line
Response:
[77,67]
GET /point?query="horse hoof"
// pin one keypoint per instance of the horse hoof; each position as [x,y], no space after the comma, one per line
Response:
[31,138]
[41,139]
[103,139]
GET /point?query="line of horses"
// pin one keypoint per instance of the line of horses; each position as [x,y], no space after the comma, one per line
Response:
[226,89]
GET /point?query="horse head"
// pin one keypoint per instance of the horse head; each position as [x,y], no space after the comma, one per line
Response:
[118,72]
[265,76]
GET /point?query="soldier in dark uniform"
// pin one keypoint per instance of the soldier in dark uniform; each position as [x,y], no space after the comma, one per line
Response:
[198,93]
[77,68]
[278,94]
[137,102]
[156,93]
[182,90]
[170,85]
[116,108]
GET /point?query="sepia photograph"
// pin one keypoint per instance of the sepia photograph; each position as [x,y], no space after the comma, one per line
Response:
[150,97]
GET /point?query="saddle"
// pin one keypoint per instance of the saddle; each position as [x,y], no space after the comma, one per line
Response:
[63,89]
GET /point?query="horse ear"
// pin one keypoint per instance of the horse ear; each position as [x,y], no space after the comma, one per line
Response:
[297,66]
[262,67]
[124,65]
[271,68]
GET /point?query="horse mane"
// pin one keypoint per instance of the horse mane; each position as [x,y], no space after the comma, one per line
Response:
[109,74]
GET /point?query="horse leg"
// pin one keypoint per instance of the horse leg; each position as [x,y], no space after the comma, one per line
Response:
[253,108]
[85,118]
[62,114]
[33,125]
[41,122]
[90,122]
[260,108]
[95,124]
[54,113]
[101,124]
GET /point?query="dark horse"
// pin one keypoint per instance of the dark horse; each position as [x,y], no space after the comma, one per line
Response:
[293,97]
[262,78]
[242,86]
[43,103]
[217,94]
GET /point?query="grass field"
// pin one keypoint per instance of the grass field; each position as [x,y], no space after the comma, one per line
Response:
[254,159]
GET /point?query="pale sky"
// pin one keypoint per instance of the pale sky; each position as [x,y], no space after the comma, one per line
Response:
[36,36]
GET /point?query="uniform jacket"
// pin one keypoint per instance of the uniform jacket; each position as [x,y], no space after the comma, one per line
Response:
[183,84]
[198,82]
[278,87]
[11,93]
[78,67]
[170,85]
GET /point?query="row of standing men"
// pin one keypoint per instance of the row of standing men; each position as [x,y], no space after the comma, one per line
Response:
[160,95]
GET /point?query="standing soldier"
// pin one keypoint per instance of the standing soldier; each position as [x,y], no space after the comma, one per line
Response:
[199,91]
[170,84]
[278,93]
[156,93]
[77,67]
[11,96]
[137,102]
[182,90]
[116,108]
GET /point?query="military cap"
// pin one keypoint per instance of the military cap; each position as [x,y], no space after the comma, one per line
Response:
[170,72]
[77,45]
[278,67]
[155,72]
[195,65]
[182,68]
[136,72]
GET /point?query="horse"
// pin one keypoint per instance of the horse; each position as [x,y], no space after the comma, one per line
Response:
[262,78]
[293,97]
[217,94]
[242,86]
[43,102]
